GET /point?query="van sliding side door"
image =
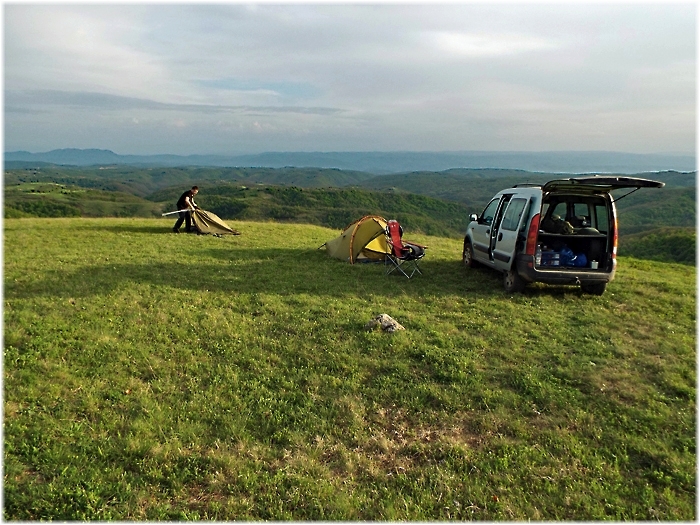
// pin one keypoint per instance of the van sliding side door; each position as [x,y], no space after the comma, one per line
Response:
[495,234]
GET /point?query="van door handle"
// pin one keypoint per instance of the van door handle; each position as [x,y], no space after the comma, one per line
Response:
[500,236]
[488,231]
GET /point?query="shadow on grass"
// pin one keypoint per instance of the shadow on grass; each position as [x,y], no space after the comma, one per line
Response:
[129,228]
[266,270]
[274,271]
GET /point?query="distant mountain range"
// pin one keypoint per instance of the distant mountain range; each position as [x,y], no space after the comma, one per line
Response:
[380,162]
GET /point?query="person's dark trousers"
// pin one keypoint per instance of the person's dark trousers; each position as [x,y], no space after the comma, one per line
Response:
[183,216]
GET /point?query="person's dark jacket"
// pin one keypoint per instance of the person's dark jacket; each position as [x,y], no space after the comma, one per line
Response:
[182,201]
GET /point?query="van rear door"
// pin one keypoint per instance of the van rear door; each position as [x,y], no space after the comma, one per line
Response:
[600,183]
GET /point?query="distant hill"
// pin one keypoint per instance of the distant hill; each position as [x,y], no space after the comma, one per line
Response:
[332,207]
[662,244]
[47,199]
[379,162]
[437,203]
[655,208]
[473,187]
[673,205]
[143,181]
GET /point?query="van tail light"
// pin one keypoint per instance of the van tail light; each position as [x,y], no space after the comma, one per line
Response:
[531,243]
[614,246]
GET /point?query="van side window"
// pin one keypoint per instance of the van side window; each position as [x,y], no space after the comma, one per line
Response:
[524,225]
[512,217]
[560,210]
[489,212]
[545,209]
[501,210]
[580,218]
[581,209]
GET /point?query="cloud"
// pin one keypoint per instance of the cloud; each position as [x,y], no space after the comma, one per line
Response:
[16,101]
[283,89]
[485,45]
[71,46]
[319,77]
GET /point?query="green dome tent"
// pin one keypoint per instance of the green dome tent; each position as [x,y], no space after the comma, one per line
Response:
[363,240]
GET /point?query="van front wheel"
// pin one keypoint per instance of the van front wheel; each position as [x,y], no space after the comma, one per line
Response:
[468,254]
[512,282]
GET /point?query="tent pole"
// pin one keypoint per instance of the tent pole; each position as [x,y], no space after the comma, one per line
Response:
[171,212]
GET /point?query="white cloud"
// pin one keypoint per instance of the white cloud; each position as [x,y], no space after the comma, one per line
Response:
[86,47]
[484,45]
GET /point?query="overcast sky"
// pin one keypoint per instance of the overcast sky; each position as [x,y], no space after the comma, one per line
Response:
[235,78]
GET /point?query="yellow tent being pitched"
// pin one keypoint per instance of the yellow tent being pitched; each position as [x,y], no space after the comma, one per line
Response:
[364,239]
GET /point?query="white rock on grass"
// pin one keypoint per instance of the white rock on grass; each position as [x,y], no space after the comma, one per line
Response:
[385,322]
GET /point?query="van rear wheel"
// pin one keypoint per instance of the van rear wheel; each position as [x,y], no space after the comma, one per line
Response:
[594,288]
[512,281]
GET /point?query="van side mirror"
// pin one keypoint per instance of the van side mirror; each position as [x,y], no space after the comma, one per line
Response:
[473,217]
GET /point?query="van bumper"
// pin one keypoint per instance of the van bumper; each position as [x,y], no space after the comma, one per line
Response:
[561,275]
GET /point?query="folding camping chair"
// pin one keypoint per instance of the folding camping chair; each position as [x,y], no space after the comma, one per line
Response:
[403,254]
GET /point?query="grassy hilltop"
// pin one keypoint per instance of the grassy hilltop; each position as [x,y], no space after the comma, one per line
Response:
[153,376]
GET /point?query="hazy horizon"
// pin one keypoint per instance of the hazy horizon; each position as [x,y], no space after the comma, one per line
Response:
[235,79]
[235,154]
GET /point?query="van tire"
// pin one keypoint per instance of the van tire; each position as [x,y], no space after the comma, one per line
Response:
[468,254]
[512,282]
[594,288]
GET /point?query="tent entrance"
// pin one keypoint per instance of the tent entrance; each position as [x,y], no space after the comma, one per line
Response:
[364,239]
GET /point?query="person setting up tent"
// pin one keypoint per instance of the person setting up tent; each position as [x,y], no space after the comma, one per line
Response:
[186,204]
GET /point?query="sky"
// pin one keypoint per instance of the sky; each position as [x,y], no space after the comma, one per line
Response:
[230,78]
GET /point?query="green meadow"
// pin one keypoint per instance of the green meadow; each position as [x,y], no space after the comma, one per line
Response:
[154,376]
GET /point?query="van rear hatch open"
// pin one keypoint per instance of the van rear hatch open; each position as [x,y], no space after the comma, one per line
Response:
[599,183]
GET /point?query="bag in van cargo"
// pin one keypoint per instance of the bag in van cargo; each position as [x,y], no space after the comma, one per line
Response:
[581,261]
[556,224]
[566,256]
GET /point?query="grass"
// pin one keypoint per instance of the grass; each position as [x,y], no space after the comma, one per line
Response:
[152,376]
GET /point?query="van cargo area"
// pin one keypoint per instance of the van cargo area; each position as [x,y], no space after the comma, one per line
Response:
[575,233]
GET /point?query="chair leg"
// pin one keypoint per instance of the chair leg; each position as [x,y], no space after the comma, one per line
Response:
[397,264]
[416,269]
[393,265]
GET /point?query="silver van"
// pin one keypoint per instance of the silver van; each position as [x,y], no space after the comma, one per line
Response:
[561,232]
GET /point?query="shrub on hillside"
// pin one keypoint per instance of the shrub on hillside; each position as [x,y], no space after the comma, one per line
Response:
[663,244]
[46,208]
[14,213]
